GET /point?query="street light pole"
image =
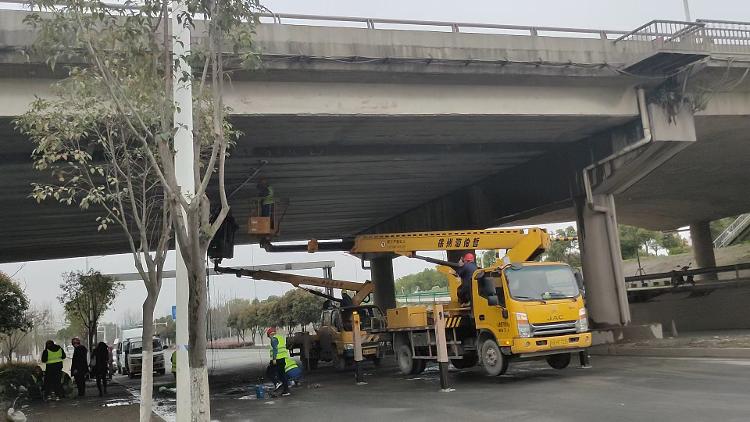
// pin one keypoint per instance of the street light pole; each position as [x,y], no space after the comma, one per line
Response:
[183,144]
[687,10]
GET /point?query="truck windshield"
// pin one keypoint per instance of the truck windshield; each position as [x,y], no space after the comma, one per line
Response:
[136,349]
[541,282]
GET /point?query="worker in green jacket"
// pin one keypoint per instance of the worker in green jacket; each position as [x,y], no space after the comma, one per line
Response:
[52,357]
[265,191]
[279,354]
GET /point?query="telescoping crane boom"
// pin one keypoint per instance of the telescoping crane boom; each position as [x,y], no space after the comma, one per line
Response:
[521,244]
[362,290]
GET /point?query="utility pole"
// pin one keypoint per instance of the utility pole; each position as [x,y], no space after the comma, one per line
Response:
[182,91]
[687,10]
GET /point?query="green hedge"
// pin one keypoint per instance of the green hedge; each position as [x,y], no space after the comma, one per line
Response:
[14,375]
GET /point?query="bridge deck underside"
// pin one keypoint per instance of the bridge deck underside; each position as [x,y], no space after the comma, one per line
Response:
[341,174]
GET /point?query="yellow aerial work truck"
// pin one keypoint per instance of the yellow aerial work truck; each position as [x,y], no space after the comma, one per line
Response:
[520,309]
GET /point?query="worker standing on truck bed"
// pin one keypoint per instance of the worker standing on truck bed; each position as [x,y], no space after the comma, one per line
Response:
[465,273]
[279,355]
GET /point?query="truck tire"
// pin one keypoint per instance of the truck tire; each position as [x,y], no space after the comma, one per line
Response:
[341,362]
[467,362]
[309,364]
[406,362]
[560,361]
[493,361]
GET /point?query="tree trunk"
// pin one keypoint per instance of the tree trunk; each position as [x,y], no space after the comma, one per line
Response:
[147,368]
[199,393]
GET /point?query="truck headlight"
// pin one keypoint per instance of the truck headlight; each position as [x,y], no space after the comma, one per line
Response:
[348,346]
[522,322]
[582,325]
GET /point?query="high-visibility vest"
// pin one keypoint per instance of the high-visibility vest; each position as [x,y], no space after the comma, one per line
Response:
[281,352]
[268,199]
[289,365]
[54,357]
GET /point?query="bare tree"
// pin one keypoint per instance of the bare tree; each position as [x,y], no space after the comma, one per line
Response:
[122,61]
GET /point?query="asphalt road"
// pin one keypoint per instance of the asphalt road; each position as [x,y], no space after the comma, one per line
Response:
[615,389]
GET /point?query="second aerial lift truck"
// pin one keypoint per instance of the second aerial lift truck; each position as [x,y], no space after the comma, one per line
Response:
[333,340]
[520,309]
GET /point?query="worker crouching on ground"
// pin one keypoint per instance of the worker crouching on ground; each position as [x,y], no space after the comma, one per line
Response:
[279,355]
[465,273]
[293,373]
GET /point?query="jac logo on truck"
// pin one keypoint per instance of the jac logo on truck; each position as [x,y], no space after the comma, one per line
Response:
[458,242]
[554,317]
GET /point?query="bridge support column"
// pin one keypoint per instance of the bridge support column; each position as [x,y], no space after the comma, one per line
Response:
[703,247]
[606,296]
[381,269]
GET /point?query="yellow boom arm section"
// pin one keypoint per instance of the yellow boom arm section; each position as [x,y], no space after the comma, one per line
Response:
[362,290]
[521,244]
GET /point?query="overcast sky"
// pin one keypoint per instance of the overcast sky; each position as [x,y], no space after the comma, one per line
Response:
[42,278]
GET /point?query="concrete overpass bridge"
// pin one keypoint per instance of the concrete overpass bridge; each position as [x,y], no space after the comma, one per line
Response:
[393,129]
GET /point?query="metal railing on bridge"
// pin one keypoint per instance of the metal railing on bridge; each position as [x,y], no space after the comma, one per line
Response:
[733,231]
[429,296]
[446,26]
[700,36]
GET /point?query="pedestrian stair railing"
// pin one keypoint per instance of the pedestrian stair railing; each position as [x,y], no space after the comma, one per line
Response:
[733,231]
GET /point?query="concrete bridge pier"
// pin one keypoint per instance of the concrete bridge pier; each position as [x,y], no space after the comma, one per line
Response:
[606,297]
[703,247]
[381,269]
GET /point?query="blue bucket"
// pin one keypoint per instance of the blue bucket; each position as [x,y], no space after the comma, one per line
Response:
[260,391]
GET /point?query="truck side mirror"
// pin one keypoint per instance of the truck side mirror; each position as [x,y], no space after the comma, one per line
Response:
[505,313]
[579,281]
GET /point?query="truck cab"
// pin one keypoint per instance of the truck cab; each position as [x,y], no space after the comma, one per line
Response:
[518,311]
[333,340]
[525,311]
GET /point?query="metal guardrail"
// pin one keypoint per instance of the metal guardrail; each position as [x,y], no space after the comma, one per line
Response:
[727,36]
[436,296]
[702,35]
[384,23]
[374,23]
[738,226]
[736,268]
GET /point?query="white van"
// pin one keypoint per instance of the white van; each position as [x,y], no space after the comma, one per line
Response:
[129,351]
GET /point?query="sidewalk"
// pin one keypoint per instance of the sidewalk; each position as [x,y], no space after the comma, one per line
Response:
[117,405]
[704,344]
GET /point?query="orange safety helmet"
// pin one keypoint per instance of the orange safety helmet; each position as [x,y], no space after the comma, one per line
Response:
[270,331]
[469,257]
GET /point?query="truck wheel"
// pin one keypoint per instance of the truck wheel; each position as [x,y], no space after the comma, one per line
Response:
[560,361]
[493,361]
[309,364]
[341,363]
[406,362]
[467,362]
